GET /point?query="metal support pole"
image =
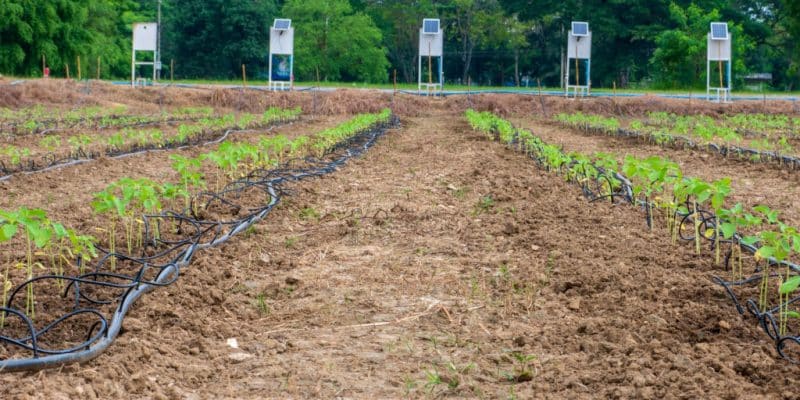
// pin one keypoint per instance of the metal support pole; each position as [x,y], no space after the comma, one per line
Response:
[157,64]
[441,74]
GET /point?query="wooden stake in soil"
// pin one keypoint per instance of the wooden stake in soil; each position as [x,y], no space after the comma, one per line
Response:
[541,99]
[244,76]
[66,66]
[316,91]
[98,68]
[395,80]
[44,64]
[171,70]
[469,90]
[78,64]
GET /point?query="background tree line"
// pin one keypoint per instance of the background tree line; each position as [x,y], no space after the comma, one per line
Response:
[636,43]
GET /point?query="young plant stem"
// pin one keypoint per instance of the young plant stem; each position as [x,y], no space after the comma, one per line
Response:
[6,287]
[112,244]
[784,307]
[696,218]
[716,240]
[29,303]
[764,290]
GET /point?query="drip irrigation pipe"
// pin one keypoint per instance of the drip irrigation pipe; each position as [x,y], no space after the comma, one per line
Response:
[81,157]
[102,333]
[681,142]
[708,220]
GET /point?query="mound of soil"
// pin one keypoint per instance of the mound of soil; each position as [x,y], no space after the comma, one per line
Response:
[69,94]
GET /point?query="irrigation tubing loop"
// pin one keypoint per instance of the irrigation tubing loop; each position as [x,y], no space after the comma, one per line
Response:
[171,241]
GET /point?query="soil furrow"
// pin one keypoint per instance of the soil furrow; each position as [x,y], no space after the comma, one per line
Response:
[66,193]
[752,184]
[439,264]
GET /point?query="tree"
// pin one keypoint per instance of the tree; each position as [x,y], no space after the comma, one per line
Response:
[400,21]
[336,41]
[213,38]
[680,56]
[793,24]
[471,22]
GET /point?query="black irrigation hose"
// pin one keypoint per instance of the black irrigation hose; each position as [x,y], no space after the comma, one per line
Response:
[621,189]
[682,142]
[121,290]
[49,162]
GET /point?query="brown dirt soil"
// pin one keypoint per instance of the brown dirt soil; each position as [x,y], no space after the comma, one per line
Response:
[100,138]
[66,193]
[70,94]
[752,184]
[406,280]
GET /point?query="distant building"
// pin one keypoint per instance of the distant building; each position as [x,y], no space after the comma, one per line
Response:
[758,81]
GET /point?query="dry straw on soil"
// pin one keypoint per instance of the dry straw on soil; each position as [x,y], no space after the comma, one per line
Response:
[69,94]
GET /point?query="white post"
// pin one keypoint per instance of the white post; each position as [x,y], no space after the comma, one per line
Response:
[157,58]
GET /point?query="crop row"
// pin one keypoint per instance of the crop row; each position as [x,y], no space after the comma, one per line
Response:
[742,124]
[136,208]
[81,147]
[691,209]
[40,120]
[713,141]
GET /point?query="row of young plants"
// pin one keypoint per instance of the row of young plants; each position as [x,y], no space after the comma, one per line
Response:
[773,125]
[718,141]
[37,120]
[690,209]
[48,246]
[120,289]
[82,146]
[123,203]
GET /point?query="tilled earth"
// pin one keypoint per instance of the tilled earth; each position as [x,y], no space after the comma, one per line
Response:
[437,265]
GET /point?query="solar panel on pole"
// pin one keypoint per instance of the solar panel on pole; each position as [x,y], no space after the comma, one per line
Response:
[430,26]
[719,31]
[580,29]
[282,24]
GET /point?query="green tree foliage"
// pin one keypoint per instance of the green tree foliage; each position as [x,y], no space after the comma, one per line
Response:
[213,38]
[792,16]
[400,22]
[635,42]
[338,42]
[61,30]
[680,56]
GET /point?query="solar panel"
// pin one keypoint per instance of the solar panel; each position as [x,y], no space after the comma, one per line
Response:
[430,26]
[282,24]
[719,31]
[580,29]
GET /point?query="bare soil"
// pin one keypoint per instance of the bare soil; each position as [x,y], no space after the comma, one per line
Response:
[752,183]
[406,275]
[437,265]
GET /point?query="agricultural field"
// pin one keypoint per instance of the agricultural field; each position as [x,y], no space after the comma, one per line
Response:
[229,243]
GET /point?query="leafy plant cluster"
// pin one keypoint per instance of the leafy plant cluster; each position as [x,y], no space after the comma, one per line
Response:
[661,187]
[38,119]
[126,199]
[49,245]
[663,128]
[129,139]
